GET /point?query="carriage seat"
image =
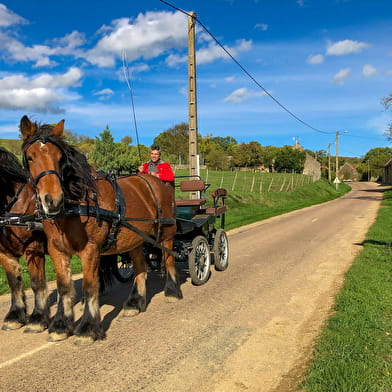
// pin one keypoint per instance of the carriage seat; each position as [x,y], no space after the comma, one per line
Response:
[192,186]
[218,196]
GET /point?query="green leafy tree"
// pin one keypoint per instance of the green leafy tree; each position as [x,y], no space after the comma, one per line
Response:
[175,142]
[226,143]
[247,154]
[110,156]
[126,140]
[375,159]
[387,102]
[289,159]
[268,155]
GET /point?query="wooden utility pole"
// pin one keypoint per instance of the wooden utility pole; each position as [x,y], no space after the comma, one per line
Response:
[329,162]
[192,102]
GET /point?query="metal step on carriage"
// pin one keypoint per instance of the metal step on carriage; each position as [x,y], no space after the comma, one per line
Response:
[198,241]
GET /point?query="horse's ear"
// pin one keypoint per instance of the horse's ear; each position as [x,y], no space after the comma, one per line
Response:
[58,129]
[27,128]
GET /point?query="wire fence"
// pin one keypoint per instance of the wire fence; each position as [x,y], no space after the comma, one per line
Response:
[252,182]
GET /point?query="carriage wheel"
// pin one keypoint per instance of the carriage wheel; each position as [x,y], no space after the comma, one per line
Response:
[199,261]
[221,250]
[123,269]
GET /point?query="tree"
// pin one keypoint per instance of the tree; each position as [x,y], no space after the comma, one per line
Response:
[289,159]
[175,142]
[126,140]
[247,154]
[387,102]
[375,159]
[110,156]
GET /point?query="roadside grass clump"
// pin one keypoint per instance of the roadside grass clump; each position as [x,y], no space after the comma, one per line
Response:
[353,352]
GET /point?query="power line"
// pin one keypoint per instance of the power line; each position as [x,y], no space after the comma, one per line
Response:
[246,72]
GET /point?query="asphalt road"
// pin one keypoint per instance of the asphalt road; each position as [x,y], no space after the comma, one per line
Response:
[249,328]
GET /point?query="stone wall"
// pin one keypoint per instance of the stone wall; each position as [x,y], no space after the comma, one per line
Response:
[312,168]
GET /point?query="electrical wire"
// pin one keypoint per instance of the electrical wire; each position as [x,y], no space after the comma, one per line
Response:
[246,72]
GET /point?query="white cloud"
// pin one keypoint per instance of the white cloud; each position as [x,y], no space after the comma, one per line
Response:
[105,91]
[40,54]
[9,18]
[346,46]
[214,52]
[174,59]
[229,79]
[368,70]
[38,93]
[261,26]
[243,94]
[211,53]
[315,59]
[149,35]
[341,76]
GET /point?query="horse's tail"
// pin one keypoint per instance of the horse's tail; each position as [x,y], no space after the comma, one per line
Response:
[106,276]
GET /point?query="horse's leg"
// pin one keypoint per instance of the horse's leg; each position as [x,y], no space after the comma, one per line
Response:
[172,287]
[62,324]
[90,328]
[136,301]
[16,316]
[39,318]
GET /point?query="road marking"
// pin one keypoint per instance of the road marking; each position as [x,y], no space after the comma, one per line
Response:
[22,356]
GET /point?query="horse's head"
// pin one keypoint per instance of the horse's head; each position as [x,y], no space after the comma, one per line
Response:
[42,158]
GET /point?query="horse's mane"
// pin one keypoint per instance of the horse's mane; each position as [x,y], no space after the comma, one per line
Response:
[78,180]
[11,173]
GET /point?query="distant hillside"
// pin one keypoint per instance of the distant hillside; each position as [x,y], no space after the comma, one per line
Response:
[12,145]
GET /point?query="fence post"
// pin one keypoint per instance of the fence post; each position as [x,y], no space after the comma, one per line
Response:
[272,180]
[253,183]
[221,183]
[235,179]
[261,183]
[284,180]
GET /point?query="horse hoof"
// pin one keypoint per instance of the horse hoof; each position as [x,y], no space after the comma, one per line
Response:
[56,337]
[34,328]
[11,325]
[83,340]
[131,312]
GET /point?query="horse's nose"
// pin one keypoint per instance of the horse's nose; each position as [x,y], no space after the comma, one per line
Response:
[53,206]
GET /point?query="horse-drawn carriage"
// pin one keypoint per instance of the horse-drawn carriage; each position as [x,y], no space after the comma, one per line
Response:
[91,214]
[198,242]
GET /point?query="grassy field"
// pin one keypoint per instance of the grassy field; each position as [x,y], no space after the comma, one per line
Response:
[354,351]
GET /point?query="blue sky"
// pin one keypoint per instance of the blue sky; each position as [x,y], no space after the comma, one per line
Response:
[328,62]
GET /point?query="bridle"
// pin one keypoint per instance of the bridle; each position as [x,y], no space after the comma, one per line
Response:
[43,140]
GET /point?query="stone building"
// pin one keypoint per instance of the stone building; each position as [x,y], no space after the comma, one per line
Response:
[348,172]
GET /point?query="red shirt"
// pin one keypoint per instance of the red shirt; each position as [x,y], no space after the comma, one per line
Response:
[165,172]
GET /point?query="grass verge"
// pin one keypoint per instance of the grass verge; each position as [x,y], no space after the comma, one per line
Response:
[353,352]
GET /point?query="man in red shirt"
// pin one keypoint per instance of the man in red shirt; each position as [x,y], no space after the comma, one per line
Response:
[157,167]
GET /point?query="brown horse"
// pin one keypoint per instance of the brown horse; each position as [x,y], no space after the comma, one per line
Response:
[17,198]
[63,179]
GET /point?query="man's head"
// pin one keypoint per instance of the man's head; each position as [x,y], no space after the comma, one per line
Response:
[155,153]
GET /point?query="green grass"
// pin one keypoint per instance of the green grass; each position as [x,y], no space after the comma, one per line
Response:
[49,270]
[354,351]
